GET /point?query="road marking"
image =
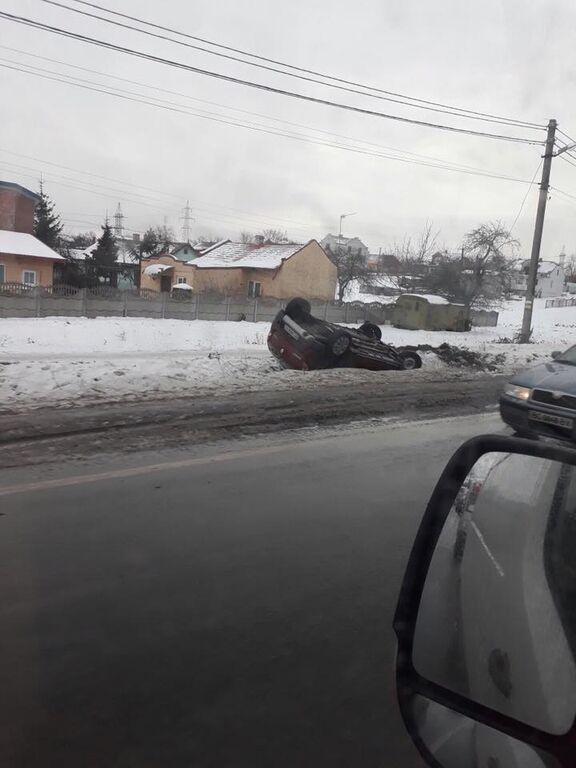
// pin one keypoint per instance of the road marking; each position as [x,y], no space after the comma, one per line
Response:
[482,541]
[390,422]
[117,474]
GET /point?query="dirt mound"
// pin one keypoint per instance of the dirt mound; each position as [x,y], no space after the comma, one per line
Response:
[461,357]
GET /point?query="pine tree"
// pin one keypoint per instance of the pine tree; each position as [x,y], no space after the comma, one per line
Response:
[104,255]
[47,224]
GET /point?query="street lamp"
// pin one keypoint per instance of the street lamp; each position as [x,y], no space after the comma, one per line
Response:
[343,216]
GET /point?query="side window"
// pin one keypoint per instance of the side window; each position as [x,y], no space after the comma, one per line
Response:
[29,277]
[181,280]
[254,289]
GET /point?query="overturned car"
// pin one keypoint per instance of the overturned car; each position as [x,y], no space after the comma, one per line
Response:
[301,341]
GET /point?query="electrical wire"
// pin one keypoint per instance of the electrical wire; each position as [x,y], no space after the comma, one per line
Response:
[561,192]
[185,35]
[403,100]
[222,106]
[526,196]
[259,86]
[294,136]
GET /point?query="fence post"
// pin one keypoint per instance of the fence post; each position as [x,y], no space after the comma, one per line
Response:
[163,303]
[227,308]
[255,315]
[125,307]
[197,306]
[84,305]
[37,297]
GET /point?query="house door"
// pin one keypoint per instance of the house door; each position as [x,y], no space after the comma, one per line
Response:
[165,283]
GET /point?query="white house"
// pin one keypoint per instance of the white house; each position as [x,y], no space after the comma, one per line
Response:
[549,282]
[332,243]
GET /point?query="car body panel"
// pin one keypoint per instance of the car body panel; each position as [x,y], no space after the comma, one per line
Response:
[303,344]
[551,407]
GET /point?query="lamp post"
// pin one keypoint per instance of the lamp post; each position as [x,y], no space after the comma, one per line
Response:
[343,216]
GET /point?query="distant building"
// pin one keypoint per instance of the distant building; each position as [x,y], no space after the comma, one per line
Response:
[334,243]
[23,258]
[383,262]
[550,280]
[256,269]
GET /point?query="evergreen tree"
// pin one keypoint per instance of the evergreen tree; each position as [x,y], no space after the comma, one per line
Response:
[104,255]
[47,224]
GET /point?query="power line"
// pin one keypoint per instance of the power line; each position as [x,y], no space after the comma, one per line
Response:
[259,86]
[216,104]
[570,139]
[563,157]
[403,100]
[303,69]
[526,196]
[294,136]
[561,192]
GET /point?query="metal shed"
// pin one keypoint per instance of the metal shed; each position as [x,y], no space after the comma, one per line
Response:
[422,312]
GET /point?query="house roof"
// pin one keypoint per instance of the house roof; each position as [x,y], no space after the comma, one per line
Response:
[545,267]
[227,254]
[23,244]
[156,269]
[22,190]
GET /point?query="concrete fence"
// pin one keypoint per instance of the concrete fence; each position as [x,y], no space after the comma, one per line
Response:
[87,303]
[560,302]
[199,307]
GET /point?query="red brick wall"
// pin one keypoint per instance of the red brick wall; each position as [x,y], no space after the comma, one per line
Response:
[16,211]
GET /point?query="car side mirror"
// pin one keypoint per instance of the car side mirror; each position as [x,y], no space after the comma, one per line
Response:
[556,355]
[486,617]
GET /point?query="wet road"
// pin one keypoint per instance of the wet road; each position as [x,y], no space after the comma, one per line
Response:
[229,606]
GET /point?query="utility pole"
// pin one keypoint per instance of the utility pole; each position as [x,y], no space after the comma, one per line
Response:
[538,228]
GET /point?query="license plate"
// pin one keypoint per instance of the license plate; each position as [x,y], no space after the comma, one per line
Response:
[548,418]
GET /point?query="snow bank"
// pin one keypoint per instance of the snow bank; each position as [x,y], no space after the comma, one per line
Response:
[61,361]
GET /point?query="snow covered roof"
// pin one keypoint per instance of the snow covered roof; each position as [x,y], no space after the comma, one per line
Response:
[430,298]
[182,286]
[78,254]
[545,267]
[157,269]
[23,244]
[229,254]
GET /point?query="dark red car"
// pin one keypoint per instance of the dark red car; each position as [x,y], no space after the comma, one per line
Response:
[301,341]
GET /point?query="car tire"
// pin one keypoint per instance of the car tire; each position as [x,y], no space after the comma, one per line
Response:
[410,360]
[339,343]
[297,308]
[371,330]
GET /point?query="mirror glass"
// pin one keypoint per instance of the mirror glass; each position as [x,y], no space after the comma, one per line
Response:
[456,741]
[497,619]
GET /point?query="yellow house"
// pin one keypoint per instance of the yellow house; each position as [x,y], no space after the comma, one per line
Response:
[25,259]
[248,269]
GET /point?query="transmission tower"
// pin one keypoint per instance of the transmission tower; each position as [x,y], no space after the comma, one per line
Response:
[118,222]
[187,220]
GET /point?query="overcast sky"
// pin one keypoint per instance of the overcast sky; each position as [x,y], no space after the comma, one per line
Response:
[514,58]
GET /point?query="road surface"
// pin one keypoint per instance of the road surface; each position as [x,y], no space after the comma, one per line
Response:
[229,605]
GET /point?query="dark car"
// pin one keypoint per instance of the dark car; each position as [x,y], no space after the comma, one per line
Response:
[542,400]
[301,341]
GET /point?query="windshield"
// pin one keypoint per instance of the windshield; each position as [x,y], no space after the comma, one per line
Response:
[568,357]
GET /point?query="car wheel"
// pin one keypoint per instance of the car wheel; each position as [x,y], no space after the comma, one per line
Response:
[371,330]
[339,343]
[410,360]
[297,308]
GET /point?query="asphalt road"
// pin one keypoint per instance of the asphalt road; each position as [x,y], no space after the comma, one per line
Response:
[226,606]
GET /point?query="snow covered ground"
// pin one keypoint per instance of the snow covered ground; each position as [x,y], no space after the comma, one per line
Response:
[62,360]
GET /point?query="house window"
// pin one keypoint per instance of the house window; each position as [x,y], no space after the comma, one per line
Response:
[2,273]
[29,277]
[181,280]
[254,289]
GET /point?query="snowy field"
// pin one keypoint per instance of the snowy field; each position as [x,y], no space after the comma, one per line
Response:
[61,360]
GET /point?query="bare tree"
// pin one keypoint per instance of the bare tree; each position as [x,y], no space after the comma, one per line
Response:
[411,259]
[275,236]
[481,273]
[270,236]
[351,266]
